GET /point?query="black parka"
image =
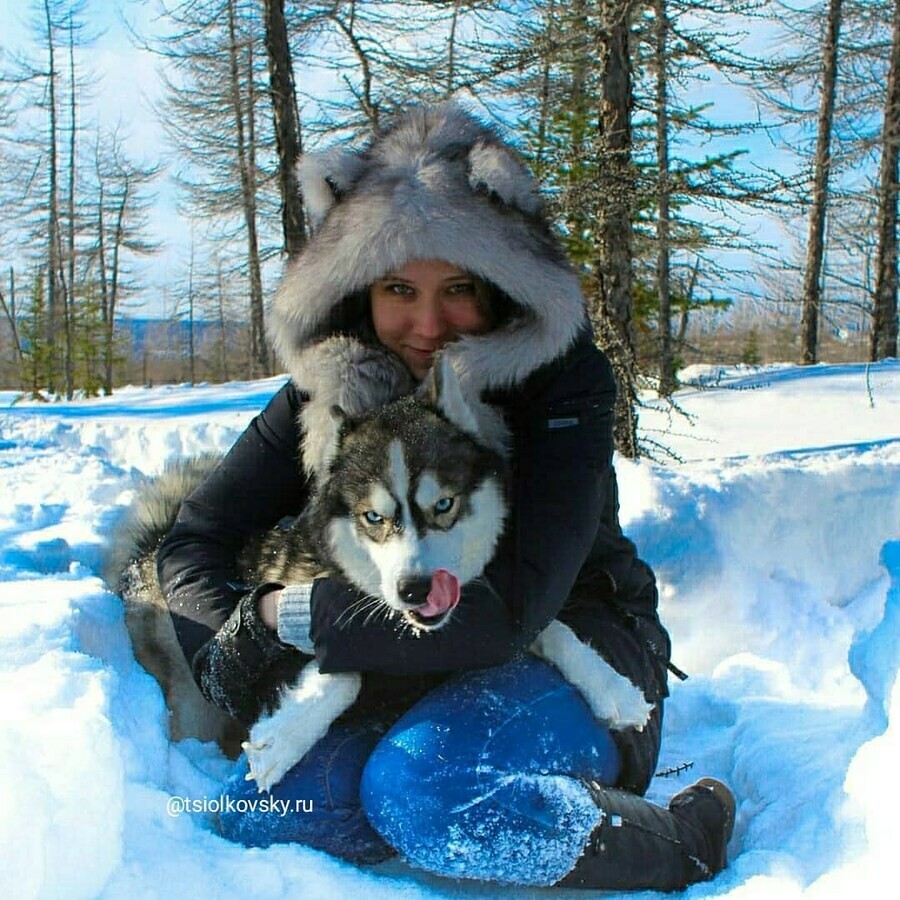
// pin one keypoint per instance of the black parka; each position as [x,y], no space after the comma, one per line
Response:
[563,555]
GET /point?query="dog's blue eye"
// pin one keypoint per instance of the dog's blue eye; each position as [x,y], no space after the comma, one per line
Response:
[372,517]
[445,504]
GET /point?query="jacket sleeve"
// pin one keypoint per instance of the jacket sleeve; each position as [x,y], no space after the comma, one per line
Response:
[257,483]
[561,483]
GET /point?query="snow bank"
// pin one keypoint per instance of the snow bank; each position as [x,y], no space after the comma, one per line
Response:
[777,545]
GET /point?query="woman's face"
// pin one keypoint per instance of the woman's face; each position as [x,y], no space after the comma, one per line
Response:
[418,309]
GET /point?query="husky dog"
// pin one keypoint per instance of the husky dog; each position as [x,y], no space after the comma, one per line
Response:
[408,507]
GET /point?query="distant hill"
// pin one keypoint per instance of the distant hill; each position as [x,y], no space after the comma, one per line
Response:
[158,335]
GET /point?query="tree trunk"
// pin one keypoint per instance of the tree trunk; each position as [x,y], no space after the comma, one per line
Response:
[70,237]
[259,354]
[686,309]
[815,248]
[53,294]
[287,125]
[9,311]
[663,285]
[223,326]
[190,298]
[104,284]
[451,52]
[612,304]
[109,336]
[884,325]
[545,112]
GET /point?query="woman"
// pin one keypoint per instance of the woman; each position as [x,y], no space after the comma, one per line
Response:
[433,238]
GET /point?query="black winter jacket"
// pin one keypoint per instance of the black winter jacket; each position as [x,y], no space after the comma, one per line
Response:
[563,555]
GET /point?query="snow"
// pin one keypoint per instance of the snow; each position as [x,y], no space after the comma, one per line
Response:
[775,534]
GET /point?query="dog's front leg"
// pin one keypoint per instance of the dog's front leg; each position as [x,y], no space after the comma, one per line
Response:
[305,712]
[611,696]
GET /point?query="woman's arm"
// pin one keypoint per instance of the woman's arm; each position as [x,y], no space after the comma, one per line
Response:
[258,482]
[562,484]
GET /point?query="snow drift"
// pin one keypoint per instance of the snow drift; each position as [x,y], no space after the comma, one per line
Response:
[776,540]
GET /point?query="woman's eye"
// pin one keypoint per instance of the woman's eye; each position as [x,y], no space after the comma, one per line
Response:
[372,517]
[465,288]
[444,505]
[401,290]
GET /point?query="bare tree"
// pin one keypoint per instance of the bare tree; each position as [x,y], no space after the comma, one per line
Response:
[612,300]
[12,319]
[43,165]
[72,27]
[661,58]
[815,249]
[884,325]
[8,306]
[221,311]
[56,297]
[214,120]
[381,56]
[287,125]
[634,215]
[120,228]
[827,80]
[242,97]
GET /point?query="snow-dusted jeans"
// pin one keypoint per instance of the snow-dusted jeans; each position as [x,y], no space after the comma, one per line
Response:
[480,779]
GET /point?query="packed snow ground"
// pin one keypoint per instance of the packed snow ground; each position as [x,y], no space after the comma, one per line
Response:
[776,539]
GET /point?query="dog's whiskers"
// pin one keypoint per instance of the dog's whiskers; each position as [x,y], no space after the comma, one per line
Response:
[357,608]
[378,608]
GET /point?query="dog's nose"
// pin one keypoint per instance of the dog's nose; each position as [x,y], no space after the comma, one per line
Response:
[414,591]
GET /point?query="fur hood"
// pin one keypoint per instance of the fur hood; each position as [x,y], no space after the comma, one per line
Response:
[438,184]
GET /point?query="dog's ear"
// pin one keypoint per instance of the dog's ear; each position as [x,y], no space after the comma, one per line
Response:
[442,391]
[324,178]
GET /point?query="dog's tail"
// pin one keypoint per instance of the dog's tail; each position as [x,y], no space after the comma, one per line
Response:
[152,514]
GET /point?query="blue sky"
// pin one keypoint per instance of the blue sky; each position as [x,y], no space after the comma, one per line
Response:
[126,86]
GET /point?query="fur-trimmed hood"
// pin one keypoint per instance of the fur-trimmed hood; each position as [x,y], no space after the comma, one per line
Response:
[437,185]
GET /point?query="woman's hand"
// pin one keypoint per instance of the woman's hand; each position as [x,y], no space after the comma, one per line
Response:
[268,609]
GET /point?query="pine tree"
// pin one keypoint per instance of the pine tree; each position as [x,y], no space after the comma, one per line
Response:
[37,350]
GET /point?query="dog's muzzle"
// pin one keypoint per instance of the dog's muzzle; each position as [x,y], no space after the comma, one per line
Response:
[429,601]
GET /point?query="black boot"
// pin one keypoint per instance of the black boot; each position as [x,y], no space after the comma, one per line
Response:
[638,845]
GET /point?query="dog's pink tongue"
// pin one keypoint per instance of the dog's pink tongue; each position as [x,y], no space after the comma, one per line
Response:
[444,594]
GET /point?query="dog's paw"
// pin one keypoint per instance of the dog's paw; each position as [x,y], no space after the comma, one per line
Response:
[305,713]
[272,749]
[611,696]
[618,702]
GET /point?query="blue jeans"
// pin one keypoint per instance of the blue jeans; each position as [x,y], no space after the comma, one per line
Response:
[480,779]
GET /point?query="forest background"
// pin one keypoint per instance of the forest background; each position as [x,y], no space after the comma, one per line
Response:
[724,173]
